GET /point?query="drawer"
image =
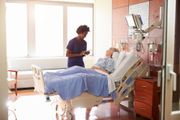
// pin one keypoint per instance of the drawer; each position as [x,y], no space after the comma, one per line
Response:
[143,86]
[143,97]
[143,109]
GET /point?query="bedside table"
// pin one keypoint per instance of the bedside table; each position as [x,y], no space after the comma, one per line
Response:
[146,98]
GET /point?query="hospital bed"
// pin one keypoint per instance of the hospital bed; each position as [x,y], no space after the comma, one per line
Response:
[120,83]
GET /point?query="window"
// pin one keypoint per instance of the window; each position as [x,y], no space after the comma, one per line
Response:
[43,29]
[16,29]
[83,16]
[49,30]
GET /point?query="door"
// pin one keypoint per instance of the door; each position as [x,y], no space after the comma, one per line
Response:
[3,65]
[170,94]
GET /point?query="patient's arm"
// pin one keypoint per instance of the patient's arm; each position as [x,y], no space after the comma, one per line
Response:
[99,69]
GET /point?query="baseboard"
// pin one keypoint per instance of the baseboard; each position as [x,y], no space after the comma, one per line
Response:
[28,88]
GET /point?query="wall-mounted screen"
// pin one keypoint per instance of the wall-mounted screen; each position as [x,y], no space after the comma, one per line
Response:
[130,21]
[141,9]
[138,21]
[134,21]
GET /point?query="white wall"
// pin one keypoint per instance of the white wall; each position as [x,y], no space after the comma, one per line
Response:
[78,1]
[3,69]
[103,26]
[24,64]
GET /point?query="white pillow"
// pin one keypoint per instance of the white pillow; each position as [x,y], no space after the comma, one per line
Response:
[125,65]
[121,56]
[115,56]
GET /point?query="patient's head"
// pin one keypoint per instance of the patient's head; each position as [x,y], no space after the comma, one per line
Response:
[110,51]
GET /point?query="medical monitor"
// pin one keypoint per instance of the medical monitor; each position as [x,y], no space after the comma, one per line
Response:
[139,22]
[134,21]
[130,21]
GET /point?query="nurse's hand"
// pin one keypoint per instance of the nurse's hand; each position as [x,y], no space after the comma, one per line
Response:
[87,52]
[82,53]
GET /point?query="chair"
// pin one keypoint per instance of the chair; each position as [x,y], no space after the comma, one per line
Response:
[12,79]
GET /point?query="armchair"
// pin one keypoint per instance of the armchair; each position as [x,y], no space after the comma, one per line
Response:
[12,78]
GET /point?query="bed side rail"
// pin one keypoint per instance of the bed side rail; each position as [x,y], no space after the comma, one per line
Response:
[127,84]
[38,79]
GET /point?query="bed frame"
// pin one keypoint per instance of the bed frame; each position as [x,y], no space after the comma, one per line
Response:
[86,99]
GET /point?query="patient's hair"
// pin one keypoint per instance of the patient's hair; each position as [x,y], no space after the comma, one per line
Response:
[82,28]
[114,49]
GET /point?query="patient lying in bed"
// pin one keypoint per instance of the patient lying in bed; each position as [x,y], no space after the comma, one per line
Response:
[78,86]
[79,79]
[106,64]
[72,82]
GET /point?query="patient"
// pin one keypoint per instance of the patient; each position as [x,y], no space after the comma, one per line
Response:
[106,64]
[77,79]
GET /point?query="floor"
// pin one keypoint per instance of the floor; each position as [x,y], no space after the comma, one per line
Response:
[32,106]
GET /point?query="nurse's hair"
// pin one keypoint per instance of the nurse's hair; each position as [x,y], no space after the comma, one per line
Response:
[82,28]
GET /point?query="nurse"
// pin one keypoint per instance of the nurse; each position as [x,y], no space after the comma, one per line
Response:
[77,47]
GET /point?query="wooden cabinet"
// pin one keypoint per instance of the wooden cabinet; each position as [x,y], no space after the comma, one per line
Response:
[146,98]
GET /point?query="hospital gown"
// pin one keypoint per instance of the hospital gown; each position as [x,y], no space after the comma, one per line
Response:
[106,63]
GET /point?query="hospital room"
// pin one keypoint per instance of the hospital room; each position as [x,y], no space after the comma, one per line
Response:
[89,60]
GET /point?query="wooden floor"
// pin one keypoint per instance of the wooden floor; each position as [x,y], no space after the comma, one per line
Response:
[32,106]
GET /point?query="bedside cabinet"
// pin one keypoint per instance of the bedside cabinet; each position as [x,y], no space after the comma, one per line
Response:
[146,98]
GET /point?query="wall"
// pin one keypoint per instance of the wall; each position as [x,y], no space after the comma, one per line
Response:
[120,28]
[3,69]
[23,66]
[102,26]
[76,1]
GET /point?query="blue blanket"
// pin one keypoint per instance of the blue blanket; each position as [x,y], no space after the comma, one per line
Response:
[71,82]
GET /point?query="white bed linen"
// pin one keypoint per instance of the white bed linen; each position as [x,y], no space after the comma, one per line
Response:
[115,56]
[121,70]
[120,58]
